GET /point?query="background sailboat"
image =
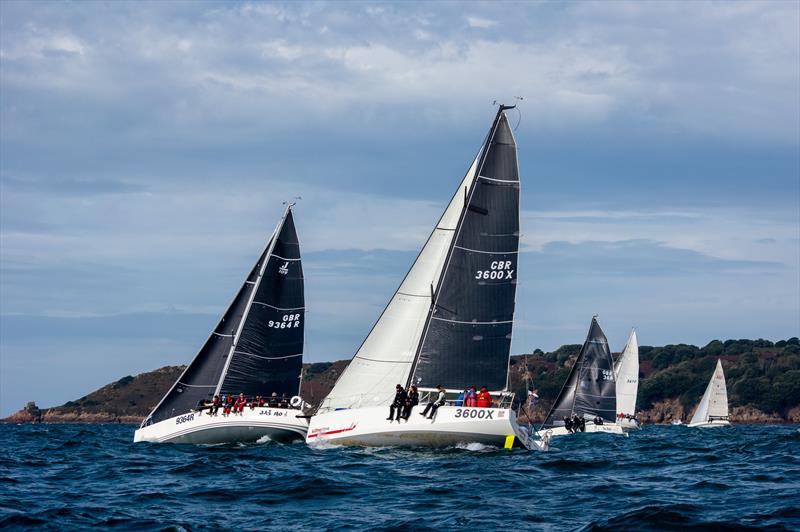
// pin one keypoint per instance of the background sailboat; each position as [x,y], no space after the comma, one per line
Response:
[255,349]
[713,408]
[449,322]
[589,391]
[626,373]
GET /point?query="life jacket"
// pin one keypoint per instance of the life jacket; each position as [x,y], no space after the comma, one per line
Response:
[484,399]
[470,399]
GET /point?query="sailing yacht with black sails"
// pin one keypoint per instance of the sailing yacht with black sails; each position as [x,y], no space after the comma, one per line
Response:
[589,392]
[449,323]
[256,349]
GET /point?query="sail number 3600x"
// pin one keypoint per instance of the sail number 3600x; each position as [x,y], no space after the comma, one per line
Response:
[288,321]
[498,269]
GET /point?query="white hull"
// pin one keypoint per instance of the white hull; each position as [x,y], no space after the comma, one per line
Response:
[628,424]
[451,426]
[710,424]
[608,428]
[250,426]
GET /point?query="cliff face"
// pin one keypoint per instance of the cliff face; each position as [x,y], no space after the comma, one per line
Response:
[763,384]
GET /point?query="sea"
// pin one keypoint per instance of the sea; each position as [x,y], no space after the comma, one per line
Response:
[73,477]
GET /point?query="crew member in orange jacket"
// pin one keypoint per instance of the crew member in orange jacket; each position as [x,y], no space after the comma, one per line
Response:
[484,398]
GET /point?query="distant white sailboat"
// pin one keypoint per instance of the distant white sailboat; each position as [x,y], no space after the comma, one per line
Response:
[626,372]
[713,408]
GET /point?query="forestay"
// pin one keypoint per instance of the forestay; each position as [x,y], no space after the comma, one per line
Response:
[590,388]
[626,372]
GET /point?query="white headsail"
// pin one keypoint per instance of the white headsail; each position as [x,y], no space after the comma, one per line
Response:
[626,372]
[387,354]
[714,404]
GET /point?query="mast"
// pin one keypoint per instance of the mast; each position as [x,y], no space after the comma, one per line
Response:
[257,282]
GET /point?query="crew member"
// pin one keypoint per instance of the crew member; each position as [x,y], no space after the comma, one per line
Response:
[398,403]
[412,400]
[471,397]
[433,406]
[484,399]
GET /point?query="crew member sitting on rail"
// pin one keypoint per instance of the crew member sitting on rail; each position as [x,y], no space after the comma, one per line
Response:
[568,424]
[216,403]
[240,402]
[412,400]
[484,399]
[471,397]
[284,402]
[398,403]
[433,406]
[273,400]
[229,402]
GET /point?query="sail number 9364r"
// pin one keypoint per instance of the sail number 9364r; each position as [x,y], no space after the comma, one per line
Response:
[499,269]
[288,321]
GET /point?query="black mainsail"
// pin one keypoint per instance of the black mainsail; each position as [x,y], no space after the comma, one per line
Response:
[257,346]
[590,389]
[468,331]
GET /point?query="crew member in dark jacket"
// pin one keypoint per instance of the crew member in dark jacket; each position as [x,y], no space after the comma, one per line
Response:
[398,404]
[411,401]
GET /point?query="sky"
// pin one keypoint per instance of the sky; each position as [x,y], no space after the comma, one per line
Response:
[146,150]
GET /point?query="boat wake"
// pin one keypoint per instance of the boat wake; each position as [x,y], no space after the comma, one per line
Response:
[475,447]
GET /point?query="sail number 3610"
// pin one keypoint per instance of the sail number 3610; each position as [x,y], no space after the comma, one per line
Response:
[287,322]
[499,269]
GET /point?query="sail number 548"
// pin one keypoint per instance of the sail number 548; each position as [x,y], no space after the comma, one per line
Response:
[288,321]
[499,269]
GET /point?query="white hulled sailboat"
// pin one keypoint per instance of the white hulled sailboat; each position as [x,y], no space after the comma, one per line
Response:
[626,373]
[256,349]
[713,408]
[589,393]
[449,323]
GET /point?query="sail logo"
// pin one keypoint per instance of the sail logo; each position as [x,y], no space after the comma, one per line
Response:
[498,269]
[283,270]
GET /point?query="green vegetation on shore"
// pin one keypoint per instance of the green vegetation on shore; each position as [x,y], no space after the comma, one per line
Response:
[763,381]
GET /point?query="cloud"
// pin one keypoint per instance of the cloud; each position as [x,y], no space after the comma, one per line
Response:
[479,22]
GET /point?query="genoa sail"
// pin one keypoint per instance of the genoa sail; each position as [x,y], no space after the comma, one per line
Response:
[469,329]
[590,388]
[626,373]
[714,404]
[213,363]
[389,353]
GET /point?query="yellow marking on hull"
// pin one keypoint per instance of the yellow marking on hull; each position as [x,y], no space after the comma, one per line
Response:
[509,442]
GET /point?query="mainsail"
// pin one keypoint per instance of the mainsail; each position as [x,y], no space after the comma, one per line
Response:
[450,319]
[626,373]
[590,388]
[714,404]
[257,346]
